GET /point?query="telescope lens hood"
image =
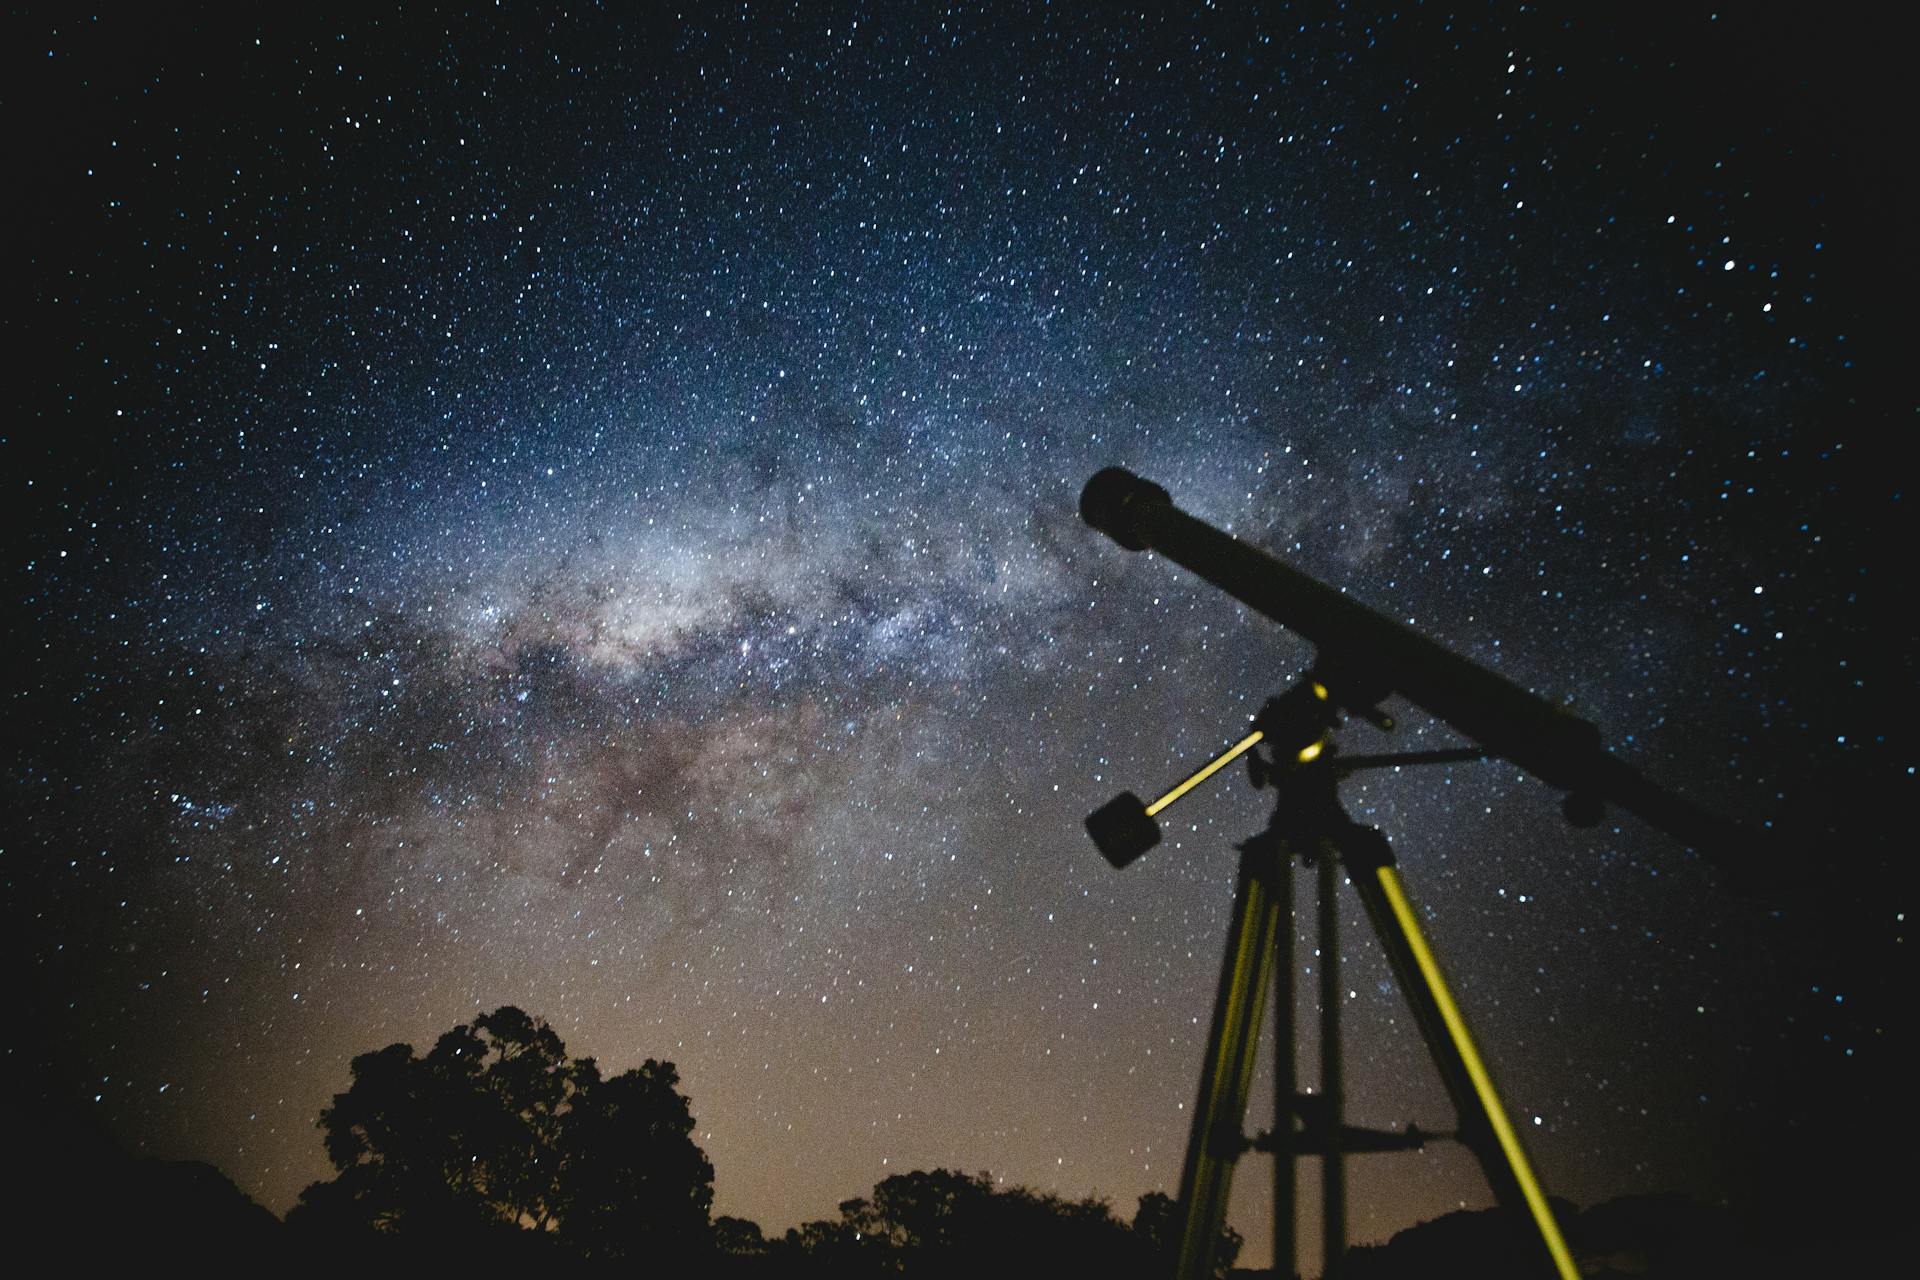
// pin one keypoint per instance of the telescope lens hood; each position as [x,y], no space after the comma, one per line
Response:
[1110,499]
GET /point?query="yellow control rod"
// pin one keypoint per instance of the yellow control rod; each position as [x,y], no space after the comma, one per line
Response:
[1212,767]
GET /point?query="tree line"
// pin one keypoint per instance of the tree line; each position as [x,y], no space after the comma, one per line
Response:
[496,1143]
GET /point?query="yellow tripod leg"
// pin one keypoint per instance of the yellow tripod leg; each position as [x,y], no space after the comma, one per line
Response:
[1215,1140]
[1465,1059]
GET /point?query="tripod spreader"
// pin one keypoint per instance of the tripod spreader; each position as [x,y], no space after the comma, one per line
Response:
[1354,1140]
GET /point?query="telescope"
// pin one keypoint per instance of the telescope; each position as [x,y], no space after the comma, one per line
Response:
[1367,656]
[1361,658]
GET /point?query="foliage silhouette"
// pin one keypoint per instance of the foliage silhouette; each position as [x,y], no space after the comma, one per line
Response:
[633,1179]
[737,1237]
[496,1139]
[941,1223]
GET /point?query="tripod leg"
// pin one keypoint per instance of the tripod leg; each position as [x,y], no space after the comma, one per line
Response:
[1484,1126]
[1215,1140]
[1286,1170]
[1333,1165]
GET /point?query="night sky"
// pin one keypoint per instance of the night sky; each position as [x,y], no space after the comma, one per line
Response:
[581,513]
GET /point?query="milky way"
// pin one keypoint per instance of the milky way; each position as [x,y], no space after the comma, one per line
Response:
[582,514]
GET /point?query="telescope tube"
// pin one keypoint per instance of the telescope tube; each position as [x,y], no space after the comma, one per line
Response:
[1383,655]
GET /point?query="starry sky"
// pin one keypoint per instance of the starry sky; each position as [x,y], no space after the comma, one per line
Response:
[579,511]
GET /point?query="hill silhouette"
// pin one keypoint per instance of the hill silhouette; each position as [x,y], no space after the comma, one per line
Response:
[97,1206]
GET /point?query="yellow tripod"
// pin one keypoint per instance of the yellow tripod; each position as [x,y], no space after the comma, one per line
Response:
[1309,825]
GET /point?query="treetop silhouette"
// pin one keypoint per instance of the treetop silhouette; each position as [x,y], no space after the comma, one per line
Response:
[497,1130]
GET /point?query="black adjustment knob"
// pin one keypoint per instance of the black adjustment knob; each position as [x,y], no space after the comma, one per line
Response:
[1122,830]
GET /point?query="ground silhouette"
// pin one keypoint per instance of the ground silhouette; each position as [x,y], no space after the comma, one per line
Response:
[498,1149]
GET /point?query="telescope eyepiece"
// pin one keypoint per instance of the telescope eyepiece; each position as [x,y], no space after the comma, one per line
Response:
[1110,499]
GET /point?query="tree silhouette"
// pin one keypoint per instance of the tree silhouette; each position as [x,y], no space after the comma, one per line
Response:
[497,1130]
[738,1237]
[924,1211]
[938,1223]
[633,1179]
[1156,1229]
